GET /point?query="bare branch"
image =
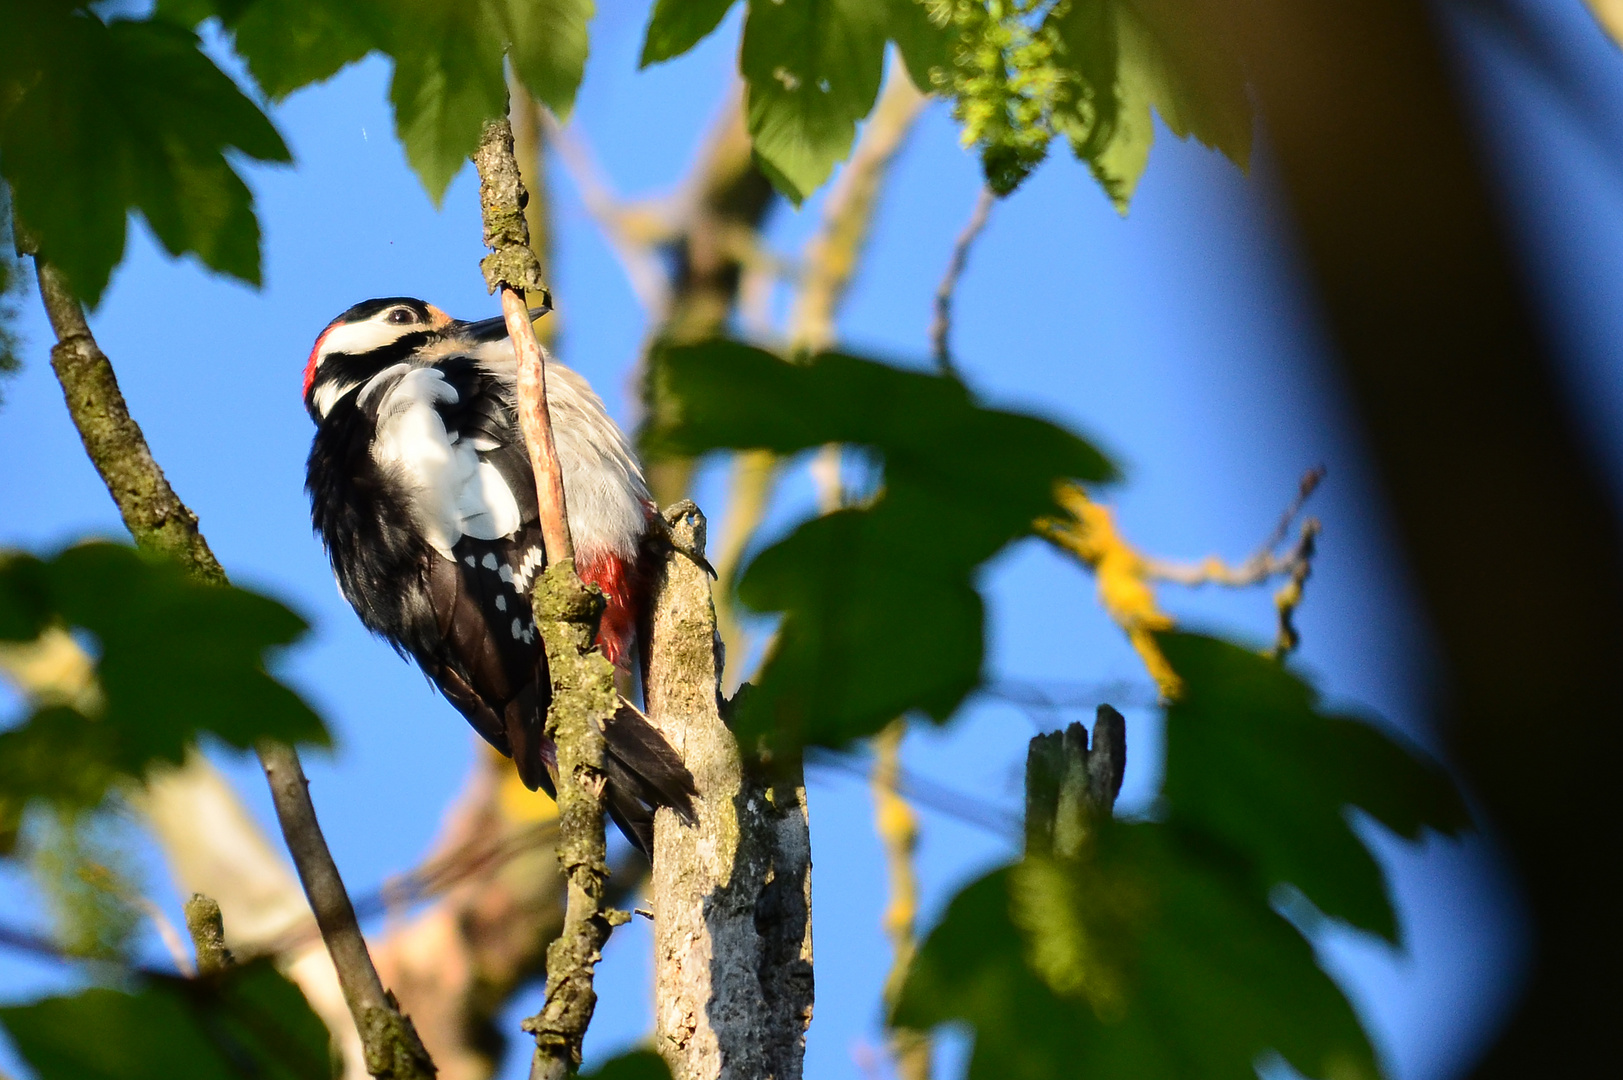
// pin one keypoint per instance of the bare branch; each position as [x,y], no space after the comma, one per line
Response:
[1261,566]
[941,325]
[159,520]
[634,234]
[390,1042]
[512,269]
[151,510]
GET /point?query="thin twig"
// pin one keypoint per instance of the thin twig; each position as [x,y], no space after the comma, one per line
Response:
[941,325]
[927,793]
[635,235]
[26,941]
[469,862]
[1260,567]
[1289,597]
[158,520]
[512,270]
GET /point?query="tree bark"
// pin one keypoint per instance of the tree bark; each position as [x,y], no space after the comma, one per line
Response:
[732,893]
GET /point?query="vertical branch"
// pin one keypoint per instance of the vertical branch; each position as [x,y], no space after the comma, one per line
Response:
[512,270]
[530,151]
[566,615]
[159,521]
[731,892]
[898,831]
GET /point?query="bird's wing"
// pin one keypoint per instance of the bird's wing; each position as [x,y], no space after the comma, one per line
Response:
[487,640]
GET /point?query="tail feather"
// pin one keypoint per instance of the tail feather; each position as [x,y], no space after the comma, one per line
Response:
[644,773]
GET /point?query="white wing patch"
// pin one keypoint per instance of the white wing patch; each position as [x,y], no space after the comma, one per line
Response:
[452,493]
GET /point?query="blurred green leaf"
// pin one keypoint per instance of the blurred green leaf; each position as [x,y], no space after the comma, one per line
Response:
[448,81]
[925,44]
[289,44]
[633,1065]
[1190,67]
[176,659]
[812,70]
[449,57]
[82,862]
[549,46]
[1151,959]
[1253,762]
[99,119]
[248,1021]
[1174,58]
[675,26]
[881,614]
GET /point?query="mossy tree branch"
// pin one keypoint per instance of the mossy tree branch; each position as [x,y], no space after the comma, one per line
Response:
[207,928]
[159,521]
[566,616]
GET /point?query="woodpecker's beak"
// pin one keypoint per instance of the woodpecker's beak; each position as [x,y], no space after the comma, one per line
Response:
[496,328]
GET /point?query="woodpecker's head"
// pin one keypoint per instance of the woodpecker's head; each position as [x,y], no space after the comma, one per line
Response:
[374,335]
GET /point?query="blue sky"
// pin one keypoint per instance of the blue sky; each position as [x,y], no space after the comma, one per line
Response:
[1182,338]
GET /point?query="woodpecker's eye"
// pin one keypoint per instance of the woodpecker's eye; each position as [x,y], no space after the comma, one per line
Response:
[402,316]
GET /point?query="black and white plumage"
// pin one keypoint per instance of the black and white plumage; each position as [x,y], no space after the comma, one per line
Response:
[421,488]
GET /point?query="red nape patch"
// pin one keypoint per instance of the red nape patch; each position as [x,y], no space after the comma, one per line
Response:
[315,354]
[617,633]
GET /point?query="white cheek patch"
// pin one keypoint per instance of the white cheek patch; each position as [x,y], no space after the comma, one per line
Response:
[360,337]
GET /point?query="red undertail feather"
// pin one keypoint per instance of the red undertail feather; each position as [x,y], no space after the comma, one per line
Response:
[617,633]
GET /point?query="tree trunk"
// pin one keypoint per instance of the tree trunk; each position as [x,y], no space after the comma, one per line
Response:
[731,892]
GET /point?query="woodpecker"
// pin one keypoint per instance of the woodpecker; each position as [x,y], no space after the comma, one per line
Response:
[421,490]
